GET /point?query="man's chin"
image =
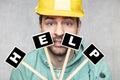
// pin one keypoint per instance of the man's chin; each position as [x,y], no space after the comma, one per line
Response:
[58,51]
[59,54]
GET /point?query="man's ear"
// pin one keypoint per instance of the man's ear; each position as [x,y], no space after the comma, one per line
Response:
[40,25]
[40,22]
[79,26]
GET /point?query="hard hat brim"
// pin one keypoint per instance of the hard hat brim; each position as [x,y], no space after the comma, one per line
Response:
[60,13]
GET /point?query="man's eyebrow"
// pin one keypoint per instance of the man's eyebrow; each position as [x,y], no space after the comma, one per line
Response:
[68,18]
[49,18]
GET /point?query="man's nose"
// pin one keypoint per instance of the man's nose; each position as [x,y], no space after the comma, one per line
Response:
[59,31]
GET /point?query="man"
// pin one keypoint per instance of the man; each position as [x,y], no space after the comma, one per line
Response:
[58,17]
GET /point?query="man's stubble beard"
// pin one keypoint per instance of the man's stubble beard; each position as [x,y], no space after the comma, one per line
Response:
[57,50]
[57,54]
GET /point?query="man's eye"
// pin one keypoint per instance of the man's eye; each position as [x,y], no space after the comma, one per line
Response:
[50,23]
[68,23]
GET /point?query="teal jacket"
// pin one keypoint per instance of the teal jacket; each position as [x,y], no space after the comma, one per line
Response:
[37,59]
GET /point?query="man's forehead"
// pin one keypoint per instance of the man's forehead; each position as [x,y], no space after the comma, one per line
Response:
[55,17]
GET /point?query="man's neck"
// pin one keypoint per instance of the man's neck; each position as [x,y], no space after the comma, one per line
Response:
[58,61]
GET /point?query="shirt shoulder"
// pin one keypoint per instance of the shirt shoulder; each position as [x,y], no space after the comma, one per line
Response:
[33,59]
[100,71]
[32,56]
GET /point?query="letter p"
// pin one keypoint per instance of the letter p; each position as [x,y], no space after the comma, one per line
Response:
[94,53]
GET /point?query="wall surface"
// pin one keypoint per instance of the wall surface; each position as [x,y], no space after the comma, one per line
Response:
[101,26]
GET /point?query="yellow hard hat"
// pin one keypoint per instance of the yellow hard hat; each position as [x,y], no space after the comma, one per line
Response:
[70,8]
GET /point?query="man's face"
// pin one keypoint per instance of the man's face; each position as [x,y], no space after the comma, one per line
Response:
[57,26]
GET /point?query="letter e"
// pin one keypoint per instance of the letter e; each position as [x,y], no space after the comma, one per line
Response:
[43,40]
